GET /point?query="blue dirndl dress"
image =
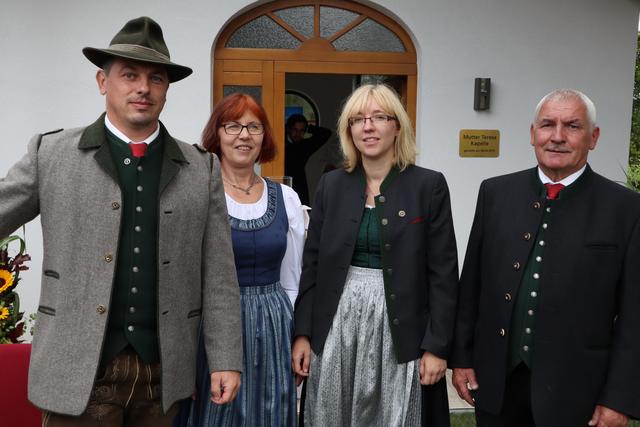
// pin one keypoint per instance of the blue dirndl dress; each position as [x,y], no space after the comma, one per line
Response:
[267,395]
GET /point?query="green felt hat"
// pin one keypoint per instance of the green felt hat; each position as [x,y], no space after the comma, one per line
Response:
[140,39]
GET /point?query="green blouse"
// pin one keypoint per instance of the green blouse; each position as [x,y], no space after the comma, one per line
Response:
[367,251]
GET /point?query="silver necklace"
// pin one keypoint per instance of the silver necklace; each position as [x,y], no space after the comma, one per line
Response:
[243,189]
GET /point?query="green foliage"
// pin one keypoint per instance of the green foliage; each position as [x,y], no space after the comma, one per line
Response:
[463,419]
[633,176]
[12,321]
[634,147]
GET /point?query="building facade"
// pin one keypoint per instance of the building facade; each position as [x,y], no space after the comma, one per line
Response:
[431,50]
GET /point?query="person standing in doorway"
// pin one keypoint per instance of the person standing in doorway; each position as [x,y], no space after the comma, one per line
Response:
[299,149]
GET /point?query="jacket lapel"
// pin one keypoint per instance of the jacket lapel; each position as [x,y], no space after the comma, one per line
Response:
[95,138]
[354,198]
[171,159]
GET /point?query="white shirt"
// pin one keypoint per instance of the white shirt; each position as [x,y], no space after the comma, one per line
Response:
[114,130]
[292,261]
[566,181]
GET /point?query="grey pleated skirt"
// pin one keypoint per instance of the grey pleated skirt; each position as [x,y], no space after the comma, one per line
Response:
[357,381]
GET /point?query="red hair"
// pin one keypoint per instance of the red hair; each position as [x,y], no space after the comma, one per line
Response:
[230,109]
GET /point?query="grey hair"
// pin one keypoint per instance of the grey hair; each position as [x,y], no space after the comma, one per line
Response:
[569,94]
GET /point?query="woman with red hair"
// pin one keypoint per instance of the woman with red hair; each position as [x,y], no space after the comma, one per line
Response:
[267,230]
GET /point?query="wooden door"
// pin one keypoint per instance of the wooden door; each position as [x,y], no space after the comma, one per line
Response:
[256,50]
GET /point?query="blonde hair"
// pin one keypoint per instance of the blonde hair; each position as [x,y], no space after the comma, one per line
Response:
[404,147]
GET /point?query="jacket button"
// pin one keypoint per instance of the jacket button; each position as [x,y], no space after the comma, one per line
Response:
[502,332]
[381,199]
[384,221]
[389,271]
[108,257]
[507,296]
[527,236]
[536,205]
[392,297]
[396,322]
[387,246]
[516,265]
[101,309]
[115,206]
[401,214]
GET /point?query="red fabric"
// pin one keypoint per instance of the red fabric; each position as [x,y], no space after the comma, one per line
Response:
[15,409]
[553,190]
[138,148]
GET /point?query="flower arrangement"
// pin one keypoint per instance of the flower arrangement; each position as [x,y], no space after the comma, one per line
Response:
[12,322]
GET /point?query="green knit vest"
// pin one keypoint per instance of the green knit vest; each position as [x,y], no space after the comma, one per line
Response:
[133,309]
[523,320]
[526,303]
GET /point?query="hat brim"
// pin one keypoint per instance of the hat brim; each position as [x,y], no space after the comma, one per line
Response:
[99,56]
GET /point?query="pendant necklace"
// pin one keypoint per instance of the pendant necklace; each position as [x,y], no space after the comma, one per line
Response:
[243,189]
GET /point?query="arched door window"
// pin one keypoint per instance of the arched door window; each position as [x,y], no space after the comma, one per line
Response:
[255,51]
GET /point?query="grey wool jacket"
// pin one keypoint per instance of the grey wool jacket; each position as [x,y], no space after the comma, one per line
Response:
[69,179]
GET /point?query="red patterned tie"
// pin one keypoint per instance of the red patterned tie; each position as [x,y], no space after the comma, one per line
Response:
[553,190]
[138,149]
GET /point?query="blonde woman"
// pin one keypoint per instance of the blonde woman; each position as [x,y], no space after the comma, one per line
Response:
[375,310]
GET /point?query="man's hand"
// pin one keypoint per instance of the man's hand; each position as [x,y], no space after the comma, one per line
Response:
[224,386]
[300,357]
[432,368]
[605,417]
[464,380]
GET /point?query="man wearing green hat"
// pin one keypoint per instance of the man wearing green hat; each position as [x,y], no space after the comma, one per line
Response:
[137,252]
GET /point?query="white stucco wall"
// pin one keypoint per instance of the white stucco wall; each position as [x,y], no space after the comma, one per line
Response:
[527,48]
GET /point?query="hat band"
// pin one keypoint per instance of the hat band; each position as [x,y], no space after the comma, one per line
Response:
[134,48]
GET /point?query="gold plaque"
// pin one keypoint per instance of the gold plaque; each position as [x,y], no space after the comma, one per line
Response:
[479,143]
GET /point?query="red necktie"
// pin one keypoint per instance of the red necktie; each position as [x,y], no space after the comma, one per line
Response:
[553,190]
[138,149]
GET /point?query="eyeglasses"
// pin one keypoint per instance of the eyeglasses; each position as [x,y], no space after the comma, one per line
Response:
[236,128]
[375,119]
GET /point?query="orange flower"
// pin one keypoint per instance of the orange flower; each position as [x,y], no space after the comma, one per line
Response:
[4,313]
[6,280]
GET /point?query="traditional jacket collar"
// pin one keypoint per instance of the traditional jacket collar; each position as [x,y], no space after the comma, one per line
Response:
[567,192]
[94,137]
[393,172]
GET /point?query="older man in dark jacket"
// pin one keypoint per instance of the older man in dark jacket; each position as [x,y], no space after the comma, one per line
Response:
[549,305]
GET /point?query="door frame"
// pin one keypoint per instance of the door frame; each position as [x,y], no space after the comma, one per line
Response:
[267,68]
